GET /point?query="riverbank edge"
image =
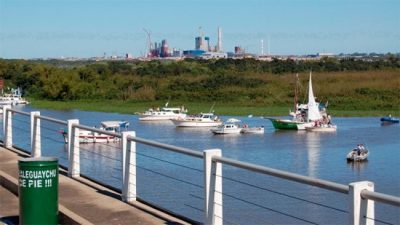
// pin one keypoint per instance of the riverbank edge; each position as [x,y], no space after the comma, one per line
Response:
[228,109]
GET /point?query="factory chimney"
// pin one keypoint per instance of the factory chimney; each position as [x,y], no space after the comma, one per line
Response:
[262,47]
[219,45]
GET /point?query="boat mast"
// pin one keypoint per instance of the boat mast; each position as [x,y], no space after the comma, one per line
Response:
[296,91]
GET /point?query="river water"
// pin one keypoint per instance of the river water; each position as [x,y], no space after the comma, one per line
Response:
[175,182]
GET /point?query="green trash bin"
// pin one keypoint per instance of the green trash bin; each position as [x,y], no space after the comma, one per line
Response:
[38,190]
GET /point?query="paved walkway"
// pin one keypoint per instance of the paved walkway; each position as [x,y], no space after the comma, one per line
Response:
[80,200]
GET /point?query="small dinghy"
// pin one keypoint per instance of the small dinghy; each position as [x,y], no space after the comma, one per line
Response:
[359,153]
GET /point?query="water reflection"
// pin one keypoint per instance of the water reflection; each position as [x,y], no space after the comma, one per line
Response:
[193,130]
[358,166]
[313,144]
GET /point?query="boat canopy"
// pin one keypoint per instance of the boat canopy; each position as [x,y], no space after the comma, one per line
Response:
[233,120]
[115,124]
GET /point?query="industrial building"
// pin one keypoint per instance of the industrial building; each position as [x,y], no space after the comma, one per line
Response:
[203,48]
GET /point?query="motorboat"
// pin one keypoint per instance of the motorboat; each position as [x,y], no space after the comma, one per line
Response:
[252,130]
[231,126]
[360,153]
[13,98]
[201,120]
[165,113]
[322,128]
[389,120]
[227,128]
[86,136]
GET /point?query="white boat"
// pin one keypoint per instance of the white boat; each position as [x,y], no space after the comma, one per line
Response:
[314,115]
[299,119]
[229,127]
[322,128]
[360,153]
[86,136]
[14,98]
[201,120]
[165,113]
[253,130]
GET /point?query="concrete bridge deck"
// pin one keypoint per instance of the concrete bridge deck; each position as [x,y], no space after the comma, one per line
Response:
[80,201]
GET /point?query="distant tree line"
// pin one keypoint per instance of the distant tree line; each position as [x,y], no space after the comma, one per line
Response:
[186,80]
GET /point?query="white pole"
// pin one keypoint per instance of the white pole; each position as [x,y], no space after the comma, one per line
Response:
[73,149]
[362,211]
[212,188]
[35,135]
[7,126]
[128,167]
[262,47]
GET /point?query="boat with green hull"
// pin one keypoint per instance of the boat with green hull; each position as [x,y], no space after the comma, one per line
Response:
[284,124]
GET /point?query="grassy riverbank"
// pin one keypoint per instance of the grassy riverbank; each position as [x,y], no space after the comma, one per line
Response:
[127,107]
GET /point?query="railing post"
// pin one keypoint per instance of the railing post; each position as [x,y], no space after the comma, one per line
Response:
[212,188]
[128,167]
[362,211]
[73,149]
[7,126]
[35,135]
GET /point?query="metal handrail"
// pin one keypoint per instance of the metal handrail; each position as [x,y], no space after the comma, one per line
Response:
[62,122]
[97,130]
[173,148]
[371,195]
[379,197]
[19,112]
[285,175]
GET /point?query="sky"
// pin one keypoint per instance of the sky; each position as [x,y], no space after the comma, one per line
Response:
[87,28]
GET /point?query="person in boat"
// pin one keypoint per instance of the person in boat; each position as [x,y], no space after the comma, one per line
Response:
[358,149]
[329,119]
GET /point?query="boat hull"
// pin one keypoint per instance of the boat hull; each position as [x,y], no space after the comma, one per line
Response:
[193,123]
[285,124]
[304,126]
[389,120]
[226,131]
[157,118]
[97,139]
[322,129]
[353,156]
[253,130]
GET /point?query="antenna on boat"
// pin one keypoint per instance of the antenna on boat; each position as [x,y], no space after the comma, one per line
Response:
[212,107]
[166,104]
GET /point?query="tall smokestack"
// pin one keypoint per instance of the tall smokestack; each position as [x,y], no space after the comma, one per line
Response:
[262,47]
[219,45]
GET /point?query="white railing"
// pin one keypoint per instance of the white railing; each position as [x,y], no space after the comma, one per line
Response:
[361,195]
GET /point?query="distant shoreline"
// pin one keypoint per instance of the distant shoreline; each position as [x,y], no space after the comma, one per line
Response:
[228,109]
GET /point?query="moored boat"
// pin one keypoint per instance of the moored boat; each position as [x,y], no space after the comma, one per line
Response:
[231,126]
[252,130]
[13,98]
[201,120]
[303,115]
[316,116]
[165,113]
[86,136]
